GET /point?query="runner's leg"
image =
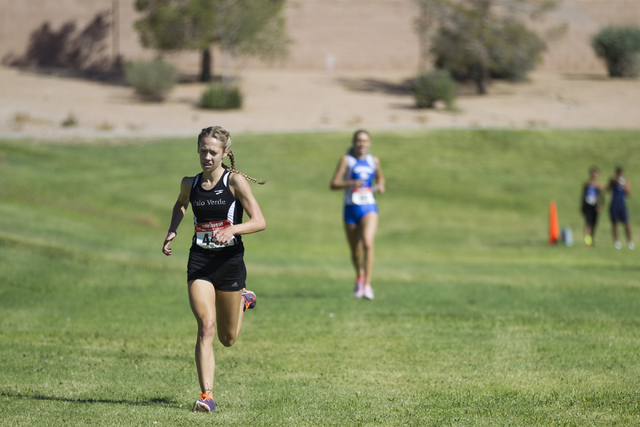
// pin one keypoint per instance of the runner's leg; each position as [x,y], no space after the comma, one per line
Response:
[354,237]
[230,309]
[628,230]
[202,298]
[369,225]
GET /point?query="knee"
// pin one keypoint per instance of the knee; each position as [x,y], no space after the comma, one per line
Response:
[207,329]
[367,245]
[227,339]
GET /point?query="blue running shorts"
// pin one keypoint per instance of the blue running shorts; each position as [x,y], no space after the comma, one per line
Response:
[618,212]
[353,214]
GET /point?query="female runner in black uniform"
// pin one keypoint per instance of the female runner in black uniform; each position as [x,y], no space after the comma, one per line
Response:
[592,200]
[216,272]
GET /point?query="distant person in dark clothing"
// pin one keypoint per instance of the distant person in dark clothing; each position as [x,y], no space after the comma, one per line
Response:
[620,189]
[592,201]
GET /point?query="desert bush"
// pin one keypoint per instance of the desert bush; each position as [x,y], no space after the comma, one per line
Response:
[433,86]
[70,121]
[512,50]
[515,52]
[219,97]
[619,47]
[151,80]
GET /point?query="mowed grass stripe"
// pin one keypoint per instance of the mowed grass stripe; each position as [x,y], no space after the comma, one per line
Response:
[476,321]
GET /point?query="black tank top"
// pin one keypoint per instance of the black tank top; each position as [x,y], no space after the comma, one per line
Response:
[215,208]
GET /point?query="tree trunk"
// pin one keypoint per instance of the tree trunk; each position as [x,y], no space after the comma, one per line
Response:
[484,6]
[206,65]
[226,68]
[482,78]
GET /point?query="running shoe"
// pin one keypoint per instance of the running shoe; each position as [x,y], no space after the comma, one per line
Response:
[358,290]
[630,245]
[588,241]
[205,404]
[617,244]
[249,299]
[368,292]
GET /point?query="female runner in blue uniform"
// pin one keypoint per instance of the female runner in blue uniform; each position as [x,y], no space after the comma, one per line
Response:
[355,174]
[620,189]
[216,272]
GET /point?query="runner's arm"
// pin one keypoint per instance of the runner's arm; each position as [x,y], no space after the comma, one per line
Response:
[380,181]
[179,209]
[338,182]
[627,188]
[242,191]
[601,197]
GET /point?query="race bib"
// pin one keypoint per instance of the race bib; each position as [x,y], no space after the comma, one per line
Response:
[591,196]
[363,196]
[204,234]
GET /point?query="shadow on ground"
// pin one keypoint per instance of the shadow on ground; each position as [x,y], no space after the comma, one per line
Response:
[143,401]
[374,85]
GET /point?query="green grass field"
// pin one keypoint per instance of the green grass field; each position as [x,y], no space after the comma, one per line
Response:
[476,320]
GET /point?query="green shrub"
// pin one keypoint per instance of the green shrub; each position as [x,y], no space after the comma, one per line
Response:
[433,86]
[512,51]
[152,80]
[219,97]
[515,51]
[619,46]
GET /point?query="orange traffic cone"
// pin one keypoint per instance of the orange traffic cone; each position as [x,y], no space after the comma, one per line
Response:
[554,227]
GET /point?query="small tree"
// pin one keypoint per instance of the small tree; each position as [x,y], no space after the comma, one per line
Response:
[478,39]
[240,27]
[179,24]
[430,14]
[619,47]
[250,28]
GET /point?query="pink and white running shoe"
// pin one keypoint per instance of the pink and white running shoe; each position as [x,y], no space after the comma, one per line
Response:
[358,290]
[367,291]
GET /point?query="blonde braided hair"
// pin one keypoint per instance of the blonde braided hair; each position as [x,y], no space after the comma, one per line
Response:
[224,137]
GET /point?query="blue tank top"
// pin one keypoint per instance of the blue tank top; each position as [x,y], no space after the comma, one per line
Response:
[619,194]
[363,170]
[591,195]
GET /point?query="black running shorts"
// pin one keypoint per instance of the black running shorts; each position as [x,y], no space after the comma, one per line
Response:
[225,273]
[590,214]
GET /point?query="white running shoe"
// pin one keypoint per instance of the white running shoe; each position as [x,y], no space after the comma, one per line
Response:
[617,244]
[368,292]
[630,245]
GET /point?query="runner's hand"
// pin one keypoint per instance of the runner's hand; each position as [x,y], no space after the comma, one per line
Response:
[165,248]
[222,236]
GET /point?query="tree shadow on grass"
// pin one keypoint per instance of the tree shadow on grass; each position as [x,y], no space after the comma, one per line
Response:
[144,401]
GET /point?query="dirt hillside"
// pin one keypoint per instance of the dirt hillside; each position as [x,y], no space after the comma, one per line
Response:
[36,105]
